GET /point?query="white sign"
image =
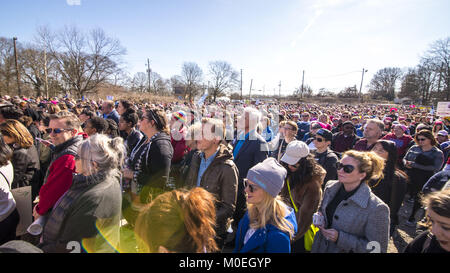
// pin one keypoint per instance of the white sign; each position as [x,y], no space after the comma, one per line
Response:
[443,109]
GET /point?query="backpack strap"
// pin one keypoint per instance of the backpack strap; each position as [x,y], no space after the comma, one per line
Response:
[427,243]
[6,179]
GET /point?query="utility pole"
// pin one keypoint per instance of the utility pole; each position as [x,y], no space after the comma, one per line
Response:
[17,67]
[279,90]
[360,88]
[250,94]
[241,84]
[303,81]
[264,89]
[149,71]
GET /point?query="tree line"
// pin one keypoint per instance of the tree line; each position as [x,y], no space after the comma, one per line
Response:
[426,83]
[70,61]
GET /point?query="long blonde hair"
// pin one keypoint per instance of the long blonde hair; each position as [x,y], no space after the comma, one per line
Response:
[270,211]
[369,163]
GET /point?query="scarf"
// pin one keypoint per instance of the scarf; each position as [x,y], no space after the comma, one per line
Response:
[57,216]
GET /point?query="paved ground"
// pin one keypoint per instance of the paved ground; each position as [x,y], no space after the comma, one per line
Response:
[404,234]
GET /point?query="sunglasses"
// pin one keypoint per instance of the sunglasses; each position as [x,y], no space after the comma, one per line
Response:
[319,139]
[421,139]
[347,168]
[345,116]
[56,130]
[250,186]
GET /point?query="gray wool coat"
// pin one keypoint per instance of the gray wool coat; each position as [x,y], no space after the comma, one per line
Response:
[362,222]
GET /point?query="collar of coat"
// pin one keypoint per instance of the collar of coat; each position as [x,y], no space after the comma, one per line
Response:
[360,198]
[223,154]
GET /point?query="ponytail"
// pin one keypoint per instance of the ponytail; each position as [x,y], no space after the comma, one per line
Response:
[179,220]
[117,150]
[200,217]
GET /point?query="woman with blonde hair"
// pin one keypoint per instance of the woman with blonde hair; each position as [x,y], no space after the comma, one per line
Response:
[178,221]
[269,224]
[25,158]
[351,218]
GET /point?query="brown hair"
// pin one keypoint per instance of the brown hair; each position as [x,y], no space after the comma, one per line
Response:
[438,202]
[292,124]
[428,134]
[369,163]
[53,109]
[160,119]
[16,130]
[71,120]
[180,220]
[216,125]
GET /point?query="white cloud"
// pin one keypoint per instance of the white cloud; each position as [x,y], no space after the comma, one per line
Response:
[73,2]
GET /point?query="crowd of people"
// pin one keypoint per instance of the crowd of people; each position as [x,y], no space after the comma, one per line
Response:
[261,177]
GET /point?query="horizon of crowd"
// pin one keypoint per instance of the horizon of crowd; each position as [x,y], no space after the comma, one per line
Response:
[313,177]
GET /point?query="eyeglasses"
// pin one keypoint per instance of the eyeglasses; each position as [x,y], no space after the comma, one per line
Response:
[347,168]
[56,130]
[250,186]
[319,139]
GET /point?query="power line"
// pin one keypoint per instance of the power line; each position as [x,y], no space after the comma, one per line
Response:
[333,76]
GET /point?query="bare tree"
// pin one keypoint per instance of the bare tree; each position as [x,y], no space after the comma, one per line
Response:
[437,58]
[410,85]
[223,77]
[139,82]
[192,76]
[384,81]
[349,92]
[85,61]
[7,68]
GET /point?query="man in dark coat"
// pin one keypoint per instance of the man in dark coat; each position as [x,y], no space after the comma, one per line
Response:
[249,148]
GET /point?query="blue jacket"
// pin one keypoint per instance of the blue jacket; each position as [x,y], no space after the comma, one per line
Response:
[303,128]
[265,240]
[114,115]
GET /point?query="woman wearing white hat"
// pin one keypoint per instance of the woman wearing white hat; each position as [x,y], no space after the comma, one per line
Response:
[302,190]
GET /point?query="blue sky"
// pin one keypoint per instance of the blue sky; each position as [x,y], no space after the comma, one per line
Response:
[272,41]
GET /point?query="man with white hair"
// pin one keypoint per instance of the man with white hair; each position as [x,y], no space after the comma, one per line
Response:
[249,148]
[373,131]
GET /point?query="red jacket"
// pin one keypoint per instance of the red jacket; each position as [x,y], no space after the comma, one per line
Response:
[58,182]
[179,145]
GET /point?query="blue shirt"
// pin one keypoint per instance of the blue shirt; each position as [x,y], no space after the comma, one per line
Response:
[204,164]
[239,143]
